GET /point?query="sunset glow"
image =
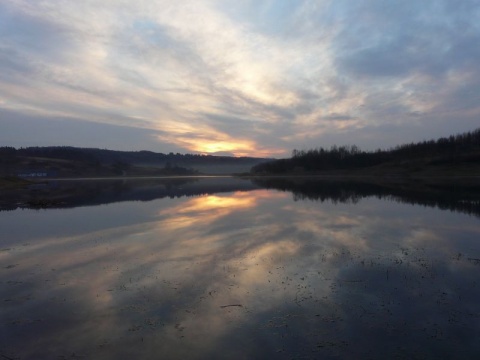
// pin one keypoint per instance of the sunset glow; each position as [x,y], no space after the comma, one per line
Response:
[252,78]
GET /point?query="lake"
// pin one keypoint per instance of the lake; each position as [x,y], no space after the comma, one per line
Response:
[226,268]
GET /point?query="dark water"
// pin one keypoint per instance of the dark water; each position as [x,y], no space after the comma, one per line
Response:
[229,268]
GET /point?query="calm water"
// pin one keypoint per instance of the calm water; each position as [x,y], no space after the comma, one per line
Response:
[228,268]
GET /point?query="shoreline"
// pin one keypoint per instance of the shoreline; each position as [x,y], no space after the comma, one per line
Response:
[15,183]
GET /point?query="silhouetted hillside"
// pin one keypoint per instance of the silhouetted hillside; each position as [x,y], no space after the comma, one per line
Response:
[72,161]
[461,151]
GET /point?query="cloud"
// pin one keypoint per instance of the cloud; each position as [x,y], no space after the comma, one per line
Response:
[23,130]
[256,76]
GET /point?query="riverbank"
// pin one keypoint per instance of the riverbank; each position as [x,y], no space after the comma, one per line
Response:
[465,173]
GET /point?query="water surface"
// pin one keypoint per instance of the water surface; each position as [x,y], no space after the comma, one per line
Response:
[228,268]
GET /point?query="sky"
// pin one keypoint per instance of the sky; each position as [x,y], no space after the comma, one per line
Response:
[243,78]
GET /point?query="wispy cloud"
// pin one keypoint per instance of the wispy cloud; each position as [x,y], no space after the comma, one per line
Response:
[250,77]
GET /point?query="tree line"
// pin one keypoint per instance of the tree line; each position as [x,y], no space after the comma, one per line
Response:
[105,156]
[463,147]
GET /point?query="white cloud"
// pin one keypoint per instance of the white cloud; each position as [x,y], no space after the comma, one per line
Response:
[286,69]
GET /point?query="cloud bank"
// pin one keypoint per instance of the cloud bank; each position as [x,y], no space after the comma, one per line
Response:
[250,78]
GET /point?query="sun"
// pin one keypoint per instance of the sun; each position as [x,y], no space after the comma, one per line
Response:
[222,146]
[213,142]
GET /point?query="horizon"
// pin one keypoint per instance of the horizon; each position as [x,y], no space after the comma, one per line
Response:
[254,79]
[387,149]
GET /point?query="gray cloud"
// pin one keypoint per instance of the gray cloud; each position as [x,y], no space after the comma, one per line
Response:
[32,34]
[338,117]
[276,75]
[22,130]
[397,38]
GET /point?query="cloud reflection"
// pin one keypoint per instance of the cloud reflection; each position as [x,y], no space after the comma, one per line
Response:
[244,274]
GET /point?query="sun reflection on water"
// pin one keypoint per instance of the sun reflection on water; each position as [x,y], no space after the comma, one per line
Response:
[240,275]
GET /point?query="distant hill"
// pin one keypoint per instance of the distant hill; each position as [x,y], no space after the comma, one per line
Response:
[66,161]
[457,155]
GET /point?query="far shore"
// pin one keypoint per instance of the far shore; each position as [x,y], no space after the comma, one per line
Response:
[375,178]
[14,183]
